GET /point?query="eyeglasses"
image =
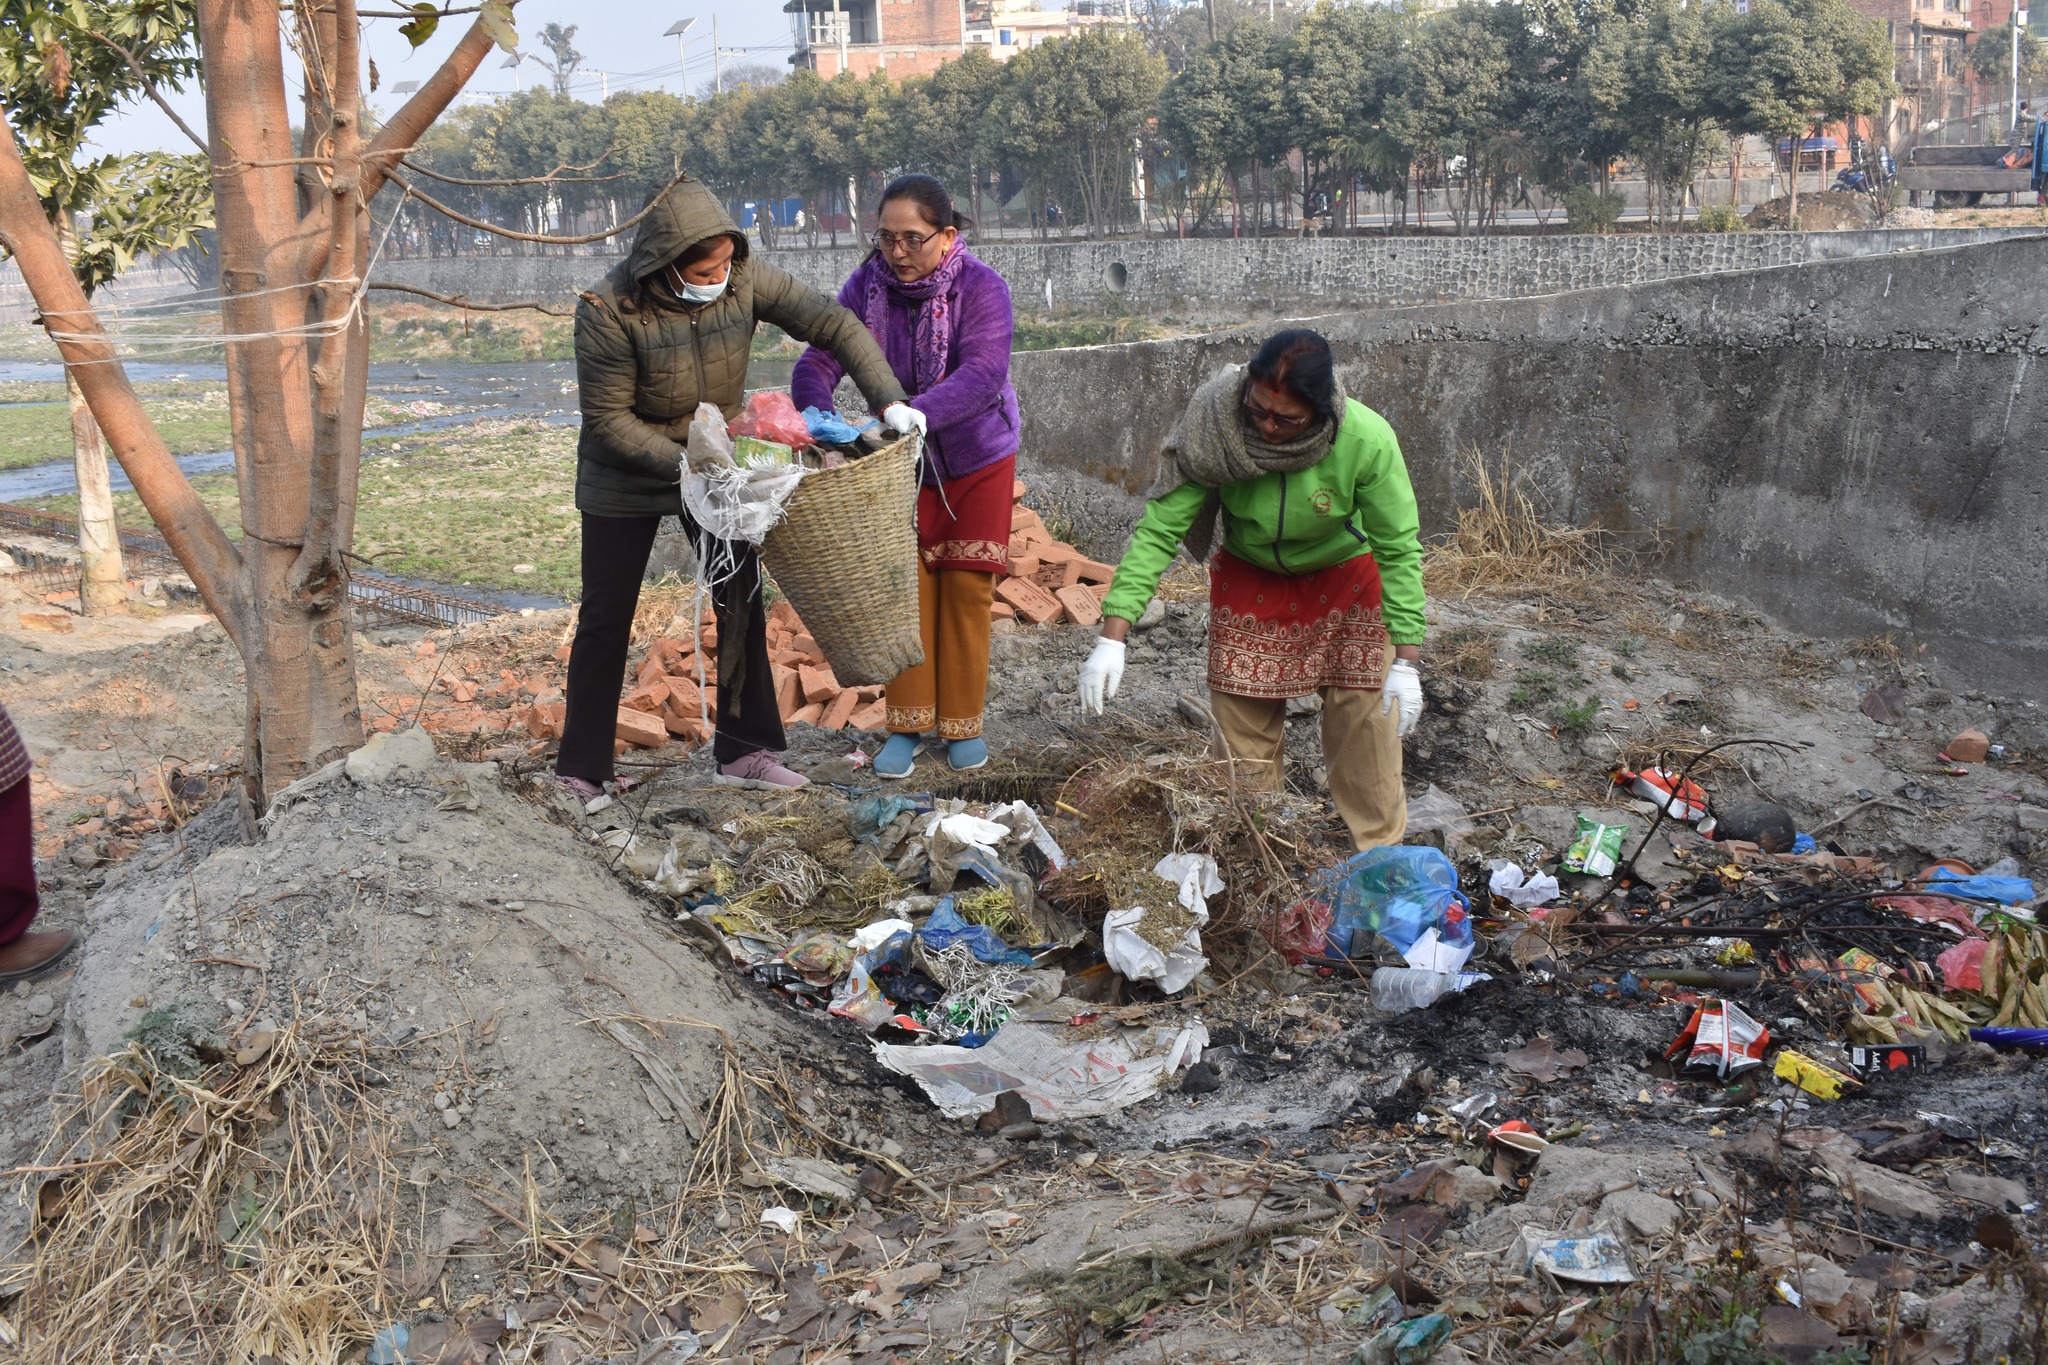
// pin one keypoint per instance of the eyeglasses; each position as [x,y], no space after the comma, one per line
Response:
[886,241]
[1269,418]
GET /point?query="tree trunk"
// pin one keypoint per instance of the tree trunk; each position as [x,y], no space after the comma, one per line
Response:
[102,578]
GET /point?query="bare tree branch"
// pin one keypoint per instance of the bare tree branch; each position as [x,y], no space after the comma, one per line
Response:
[418,113]
[553,177]
[518,236]
[149,88]
[462,301]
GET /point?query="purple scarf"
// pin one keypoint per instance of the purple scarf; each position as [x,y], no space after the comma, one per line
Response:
[932,343]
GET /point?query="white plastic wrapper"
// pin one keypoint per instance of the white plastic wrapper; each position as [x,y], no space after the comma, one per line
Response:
[1060,1075]
[1510,885]
[1139,960]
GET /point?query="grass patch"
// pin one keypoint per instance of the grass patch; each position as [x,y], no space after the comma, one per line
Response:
[414,331]
[1576,718]
[1534,686]
[466,510]
[1048,334]
[1553,650]
[40,433]
[1469,652]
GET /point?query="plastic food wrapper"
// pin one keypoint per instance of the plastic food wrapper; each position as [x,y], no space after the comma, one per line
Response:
[1405,1343]
[829,428]
[872,936]
[945,928]
[820,957]
[754,452]
[1815,1078]
[1719,1036]
[1062,1075]
[1538,888]
[1595,849]
[771,416]
[780,1217]
[1681,799]
[1437,810]
[1594,1256]
[709,443]
[1396,892]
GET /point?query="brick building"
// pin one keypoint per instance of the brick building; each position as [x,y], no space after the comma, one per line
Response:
[915,37]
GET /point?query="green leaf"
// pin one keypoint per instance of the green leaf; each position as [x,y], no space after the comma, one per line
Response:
[420,28]
[497,22]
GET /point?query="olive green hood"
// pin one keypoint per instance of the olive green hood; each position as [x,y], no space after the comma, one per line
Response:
[687,214]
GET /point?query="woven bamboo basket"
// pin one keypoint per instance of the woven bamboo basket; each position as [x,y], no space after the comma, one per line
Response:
[845,555]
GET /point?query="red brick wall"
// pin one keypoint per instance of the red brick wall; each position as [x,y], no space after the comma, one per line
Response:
[915,23]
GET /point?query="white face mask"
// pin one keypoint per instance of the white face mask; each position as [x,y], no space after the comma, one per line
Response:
[699,293]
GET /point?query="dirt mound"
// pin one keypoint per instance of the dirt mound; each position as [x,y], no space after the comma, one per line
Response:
[1828,211]
[505,991]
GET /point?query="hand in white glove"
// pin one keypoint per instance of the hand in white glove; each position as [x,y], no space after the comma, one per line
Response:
[1403,687]
[1101,674]
[903,419]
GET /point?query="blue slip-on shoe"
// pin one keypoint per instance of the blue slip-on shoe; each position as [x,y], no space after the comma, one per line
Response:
[898,756]
[966,755]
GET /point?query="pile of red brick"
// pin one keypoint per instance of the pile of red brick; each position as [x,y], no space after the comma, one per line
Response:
[1049,580]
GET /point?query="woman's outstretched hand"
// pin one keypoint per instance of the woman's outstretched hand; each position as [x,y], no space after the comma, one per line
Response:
[1101,675]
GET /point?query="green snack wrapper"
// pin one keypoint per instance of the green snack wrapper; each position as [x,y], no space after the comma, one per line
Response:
[747,448]
[1595,849]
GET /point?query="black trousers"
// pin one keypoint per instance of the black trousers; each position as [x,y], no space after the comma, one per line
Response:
[615,551]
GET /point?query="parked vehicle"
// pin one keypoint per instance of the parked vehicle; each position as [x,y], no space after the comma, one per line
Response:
[1960,176]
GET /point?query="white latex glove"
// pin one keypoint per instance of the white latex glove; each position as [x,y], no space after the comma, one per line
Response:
[1101,674]
[1403,686]
[903,419]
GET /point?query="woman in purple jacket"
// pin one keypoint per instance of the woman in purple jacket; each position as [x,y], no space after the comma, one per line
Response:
[944,322]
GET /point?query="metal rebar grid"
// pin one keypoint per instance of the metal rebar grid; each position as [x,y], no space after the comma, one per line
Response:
[372,594]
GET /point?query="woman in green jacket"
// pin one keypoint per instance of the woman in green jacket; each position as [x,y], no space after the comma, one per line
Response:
[671,327]
[1317,587]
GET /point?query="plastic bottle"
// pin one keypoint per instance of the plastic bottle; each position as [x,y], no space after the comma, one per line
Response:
[1399,989]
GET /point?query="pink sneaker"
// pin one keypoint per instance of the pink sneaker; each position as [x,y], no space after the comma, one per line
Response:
[760,772]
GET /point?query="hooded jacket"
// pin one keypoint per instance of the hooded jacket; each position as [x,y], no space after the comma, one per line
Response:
[645,359]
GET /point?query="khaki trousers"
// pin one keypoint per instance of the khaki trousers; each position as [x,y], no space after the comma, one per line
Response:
[949,689]
[1361,748]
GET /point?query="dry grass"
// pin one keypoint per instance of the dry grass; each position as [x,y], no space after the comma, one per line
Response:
[1504,542]
[1184,581]
[236,1213]
[667,608]
[1468,652]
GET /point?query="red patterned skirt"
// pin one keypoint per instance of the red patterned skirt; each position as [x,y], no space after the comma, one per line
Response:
[1279,635]
[966,523]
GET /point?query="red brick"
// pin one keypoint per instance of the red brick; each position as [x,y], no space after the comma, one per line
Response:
[818,684]
[1095,571]
[1016,490]
[807,647]
[789,692]
[557,714]
[1053,576]
[783,614]
[1081,605]
[871,692]
[562,655]
[683,696]
[1100,591]
[1033,603]
[690,728]
[1025,565]
[841,710]
[873,716]
[640,729]
[708,641]
[1025,520]
[807,715]
[1001,611]
[647,697]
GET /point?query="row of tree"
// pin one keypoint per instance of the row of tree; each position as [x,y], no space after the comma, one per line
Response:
[1488,101]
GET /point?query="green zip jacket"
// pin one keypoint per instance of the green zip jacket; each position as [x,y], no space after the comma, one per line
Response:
[1355,500]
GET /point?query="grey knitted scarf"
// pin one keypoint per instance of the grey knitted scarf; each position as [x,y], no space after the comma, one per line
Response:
[1213,445]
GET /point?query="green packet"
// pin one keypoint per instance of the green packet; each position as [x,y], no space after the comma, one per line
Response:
[746,449]
[1595,849]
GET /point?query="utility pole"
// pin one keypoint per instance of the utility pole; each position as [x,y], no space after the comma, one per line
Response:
[717,69]
[2019,21]
[1210,6]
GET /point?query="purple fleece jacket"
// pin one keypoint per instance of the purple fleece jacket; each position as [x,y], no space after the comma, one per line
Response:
[972,412]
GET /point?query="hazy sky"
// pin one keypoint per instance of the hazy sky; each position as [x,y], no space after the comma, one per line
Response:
[620,37]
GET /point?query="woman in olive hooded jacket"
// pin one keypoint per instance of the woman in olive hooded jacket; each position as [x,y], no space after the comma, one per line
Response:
[667,329]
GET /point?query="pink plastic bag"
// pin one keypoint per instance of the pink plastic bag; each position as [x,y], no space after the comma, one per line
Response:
[1300,931]
[771,416]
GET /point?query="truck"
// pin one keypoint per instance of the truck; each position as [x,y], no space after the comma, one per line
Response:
[1960,176]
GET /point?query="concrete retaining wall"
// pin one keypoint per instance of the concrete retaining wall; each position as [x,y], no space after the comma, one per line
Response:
[1219,280]
[1854,447]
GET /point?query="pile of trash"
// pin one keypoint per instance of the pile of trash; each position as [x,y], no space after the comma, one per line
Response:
[1747,919]
[934,926]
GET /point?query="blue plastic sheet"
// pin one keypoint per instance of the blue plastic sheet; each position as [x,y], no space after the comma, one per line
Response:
[2004,890]
[876,813]
[945,928]
[1396,892]
[829,428]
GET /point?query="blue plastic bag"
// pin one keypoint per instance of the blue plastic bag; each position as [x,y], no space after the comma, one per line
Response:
[829,428]
[2004,890]
[945,928]
[1399,893]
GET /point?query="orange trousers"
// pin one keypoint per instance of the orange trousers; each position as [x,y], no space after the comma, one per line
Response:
[949,689]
